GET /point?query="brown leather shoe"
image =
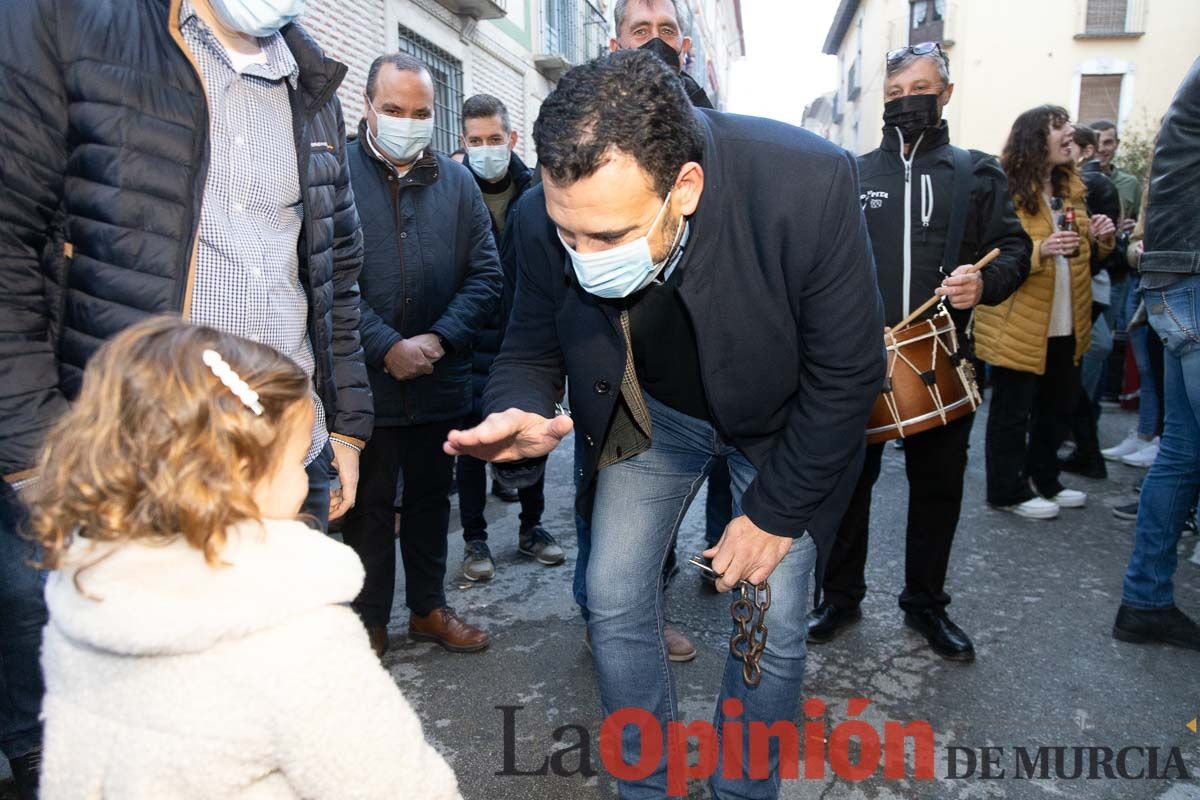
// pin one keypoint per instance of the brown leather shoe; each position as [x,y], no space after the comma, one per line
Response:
[679,648]
[443,626]
[379,640]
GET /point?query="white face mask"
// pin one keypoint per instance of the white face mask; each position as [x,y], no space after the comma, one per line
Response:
[623,270]
[257,17]
[400,137]
[489,162]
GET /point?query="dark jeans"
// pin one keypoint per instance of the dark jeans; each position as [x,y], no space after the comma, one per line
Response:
[22,617]
[1084,425]
[414,456]
[472,498]
[935,462]
[718,505]
[320,476]
[1026,424]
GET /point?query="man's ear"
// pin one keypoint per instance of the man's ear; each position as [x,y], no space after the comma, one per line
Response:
[688,187]
[512,140]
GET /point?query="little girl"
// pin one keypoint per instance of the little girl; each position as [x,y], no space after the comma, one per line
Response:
[198,644]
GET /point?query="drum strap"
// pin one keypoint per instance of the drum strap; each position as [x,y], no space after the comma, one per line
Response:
[963,173]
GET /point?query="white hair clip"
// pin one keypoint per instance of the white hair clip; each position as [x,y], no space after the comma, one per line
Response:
[235,384]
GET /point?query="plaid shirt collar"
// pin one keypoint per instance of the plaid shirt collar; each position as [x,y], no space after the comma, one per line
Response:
[280,64]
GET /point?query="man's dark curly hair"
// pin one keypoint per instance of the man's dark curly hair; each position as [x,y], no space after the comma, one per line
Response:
[1026,154]
[628,101]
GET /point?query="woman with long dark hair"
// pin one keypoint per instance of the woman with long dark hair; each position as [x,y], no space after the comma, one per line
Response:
[1036,339]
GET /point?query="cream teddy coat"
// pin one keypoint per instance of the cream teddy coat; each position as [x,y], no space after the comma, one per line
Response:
[249,681]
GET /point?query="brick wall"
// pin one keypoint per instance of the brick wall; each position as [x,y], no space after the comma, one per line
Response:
[353,32]
[492,76]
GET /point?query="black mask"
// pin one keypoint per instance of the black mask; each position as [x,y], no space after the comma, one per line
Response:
[664,51]
[912,114]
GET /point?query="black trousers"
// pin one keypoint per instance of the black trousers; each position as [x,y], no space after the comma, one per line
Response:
[472,498]
[935,462]
[320,475]
[413,455]
[1027,420]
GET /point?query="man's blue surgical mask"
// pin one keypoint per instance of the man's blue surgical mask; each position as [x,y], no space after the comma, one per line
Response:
[623,270]
[257,17]
[402,138]
[489,162]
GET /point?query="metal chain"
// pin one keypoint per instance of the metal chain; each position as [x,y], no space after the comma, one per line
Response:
[750,638]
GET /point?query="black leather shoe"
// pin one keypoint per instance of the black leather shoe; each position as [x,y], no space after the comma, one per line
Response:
[1167,626]
[1087,467]
[944,637]
[505,493]
[826,620]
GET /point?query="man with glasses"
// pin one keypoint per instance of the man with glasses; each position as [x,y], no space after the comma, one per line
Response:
[932,210]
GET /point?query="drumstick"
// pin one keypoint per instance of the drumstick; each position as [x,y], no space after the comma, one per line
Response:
[983,262]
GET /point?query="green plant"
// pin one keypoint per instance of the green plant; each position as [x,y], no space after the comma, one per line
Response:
[1137,147]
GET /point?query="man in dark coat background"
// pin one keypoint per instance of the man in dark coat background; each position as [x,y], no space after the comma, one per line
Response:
[430,283]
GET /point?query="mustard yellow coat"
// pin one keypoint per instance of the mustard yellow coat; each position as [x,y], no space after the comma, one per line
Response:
[1013,333]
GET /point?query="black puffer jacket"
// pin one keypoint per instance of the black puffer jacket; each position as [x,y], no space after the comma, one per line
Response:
[103,160]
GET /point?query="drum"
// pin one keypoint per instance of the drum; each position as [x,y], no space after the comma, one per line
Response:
[929,381]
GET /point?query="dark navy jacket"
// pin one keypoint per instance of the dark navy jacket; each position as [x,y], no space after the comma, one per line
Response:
[487,345]
[779,282]
[429,266]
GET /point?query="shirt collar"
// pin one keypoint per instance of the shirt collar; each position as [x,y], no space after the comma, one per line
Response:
[280,63]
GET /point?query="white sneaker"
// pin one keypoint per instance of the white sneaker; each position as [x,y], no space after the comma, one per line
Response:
[1131,444]
[1143,458]
[1037,508]
[1070,498]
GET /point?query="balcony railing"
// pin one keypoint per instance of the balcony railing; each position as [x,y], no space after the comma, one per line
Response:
[1106,19]
[573,32]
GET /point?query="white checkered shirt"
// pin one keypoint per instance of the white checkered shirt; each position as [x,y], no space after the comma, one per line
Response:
[247,278]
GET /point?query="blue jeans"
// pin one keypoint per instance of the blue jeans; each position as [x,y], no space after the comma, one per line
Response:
[1173,482]
[320,477]
[22,617]
[639,505]
[1148,399]
[1092,369]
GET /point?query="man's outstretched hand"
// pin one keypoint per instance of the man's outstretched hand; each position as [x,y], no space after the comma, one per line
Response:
[509,436]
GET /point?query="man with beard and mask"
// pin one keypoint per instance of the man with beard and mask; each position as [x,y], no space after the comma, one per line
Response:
[182,157]
[430,283]
[666,264]
[502,176]
[911,187]
[658,26]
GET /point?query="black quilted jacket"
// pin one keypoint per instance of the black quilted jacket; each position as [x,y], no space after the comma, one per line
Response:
[103,159]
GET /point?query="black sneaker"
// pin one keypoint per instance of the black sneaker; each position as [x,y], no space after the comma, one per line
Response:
[505,493]
[1128,511]
[26,770]
[1087,468]
[537,543]
[477,561]
[1167,626]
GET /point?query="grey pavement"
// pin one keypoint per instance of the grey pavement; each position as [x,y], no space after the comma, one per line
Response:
[1037,597]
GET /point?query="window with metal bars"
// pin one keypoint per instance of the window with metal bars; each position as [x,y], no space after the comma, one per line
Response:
[1099,97]
[447,88]
[1106,16]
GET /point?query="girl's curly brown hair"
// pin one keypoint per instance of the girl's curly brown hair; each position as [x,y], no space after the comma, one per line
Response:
[156,447]
[1026,153]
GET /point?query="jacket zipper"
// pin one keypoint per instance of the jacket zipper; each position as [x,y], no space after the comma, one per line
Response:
[926,205]
[185,293]
[908,214]
[395,181]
